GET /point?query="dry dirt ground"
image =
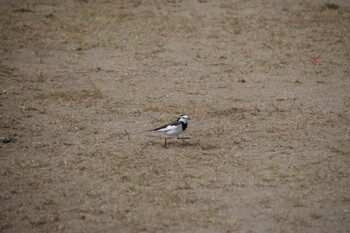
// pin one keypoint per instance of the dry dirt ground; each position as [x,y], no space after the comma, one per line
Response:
[266,84]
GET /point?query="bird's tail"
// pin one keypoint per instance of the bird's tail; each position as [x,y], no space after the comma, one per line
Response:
[149,130]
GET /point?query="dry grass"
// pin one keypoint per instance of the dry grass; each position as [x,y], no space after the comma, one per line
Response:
[265,84]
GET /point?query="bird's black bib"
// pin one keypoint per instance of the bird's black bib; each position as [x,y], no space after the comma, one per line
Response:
[184,125]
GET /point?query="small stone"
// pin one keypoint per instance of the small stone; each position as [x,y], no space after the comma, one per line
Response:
[7,139]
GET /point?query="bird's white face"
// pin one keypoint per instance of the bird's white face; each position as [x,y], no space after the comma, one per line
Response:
[184,118]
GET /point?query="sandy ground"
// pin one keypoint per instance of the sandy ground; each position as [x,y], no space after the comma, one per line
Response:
[266,84]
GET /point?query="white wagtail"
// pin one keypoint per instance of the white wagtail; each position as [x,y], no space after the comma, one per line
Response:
[174,128]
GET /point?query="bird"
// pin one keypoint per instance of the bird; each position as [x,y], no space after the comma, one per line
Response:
[173,129]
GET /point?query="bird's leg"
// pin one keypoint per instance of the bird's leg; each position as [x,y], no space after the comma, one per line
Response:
[165,143]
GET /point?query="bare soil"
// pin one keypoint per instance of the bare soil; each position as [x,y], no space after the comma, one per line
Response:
[265,82]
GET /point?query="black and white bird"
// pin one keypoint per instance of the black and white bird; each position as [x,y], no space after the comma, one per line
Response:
[174,128]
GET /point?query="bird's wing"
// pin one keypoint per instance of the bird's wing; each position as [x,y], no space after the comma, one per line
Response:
[167,127]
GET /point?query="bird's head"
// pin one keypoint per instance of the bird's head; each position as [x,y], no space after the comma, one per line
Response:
[183,118]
